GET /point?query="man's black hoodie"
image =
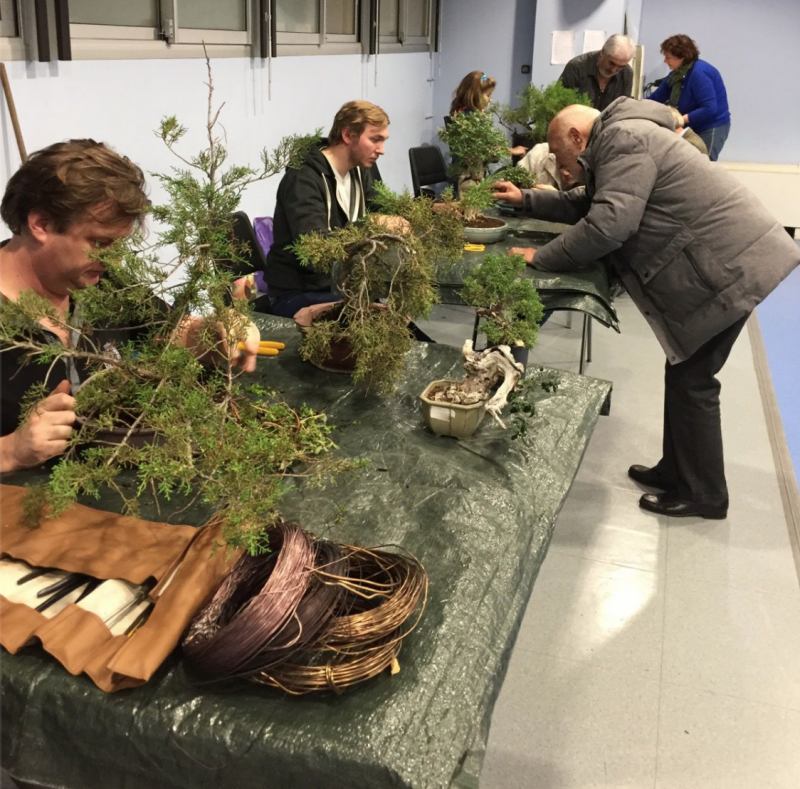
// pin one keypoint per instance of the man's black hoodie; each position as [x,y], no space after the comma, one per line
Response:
[307,202]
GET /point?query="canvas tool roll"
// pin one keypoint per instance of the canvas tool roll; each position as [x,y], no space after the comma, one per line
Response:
[123,552]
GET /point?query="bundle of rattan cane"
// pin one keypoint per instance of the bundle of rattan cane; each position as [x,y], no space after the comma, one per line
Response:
[309,616]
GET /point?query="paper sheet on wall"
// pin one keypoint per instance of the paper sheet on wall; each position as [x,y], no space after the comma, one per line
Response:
[563,49]
[593,40]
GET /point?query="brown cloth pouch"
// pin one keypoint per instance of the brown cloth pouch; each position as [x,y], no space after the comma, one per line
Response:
[106,545]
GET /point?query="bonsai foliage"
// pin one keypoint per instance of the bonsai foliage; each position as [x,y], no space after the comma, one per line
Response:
[369,263]
[537,107]
[509,305]
[475,143]
[209,436]
[518,176]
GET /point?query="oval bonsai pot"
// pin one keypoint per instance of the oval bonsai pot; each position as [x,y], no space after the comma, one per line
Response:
[496,231]
[341,359]
[451,419]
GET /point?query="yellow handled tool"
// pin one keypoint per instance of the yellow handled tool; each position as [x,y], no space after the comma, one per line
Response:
[265,348]
[474,247]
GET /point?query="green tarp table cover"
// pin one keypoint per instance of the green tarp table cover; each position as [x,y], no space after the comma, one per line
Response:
[584,291]
[479,514]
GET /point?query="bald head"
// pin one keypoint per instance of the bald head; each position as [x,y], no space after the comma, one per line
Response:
[567,136]
[577,117]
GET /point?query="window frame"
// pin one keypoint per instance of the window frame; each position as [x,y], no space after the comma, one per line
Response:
[321,43]
[403,43]
[9,19]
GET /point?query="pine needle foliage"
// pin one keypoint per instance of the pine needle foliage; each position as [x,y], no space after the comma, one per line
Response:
[509,305]
[208,436]
[369,265]
[537,107]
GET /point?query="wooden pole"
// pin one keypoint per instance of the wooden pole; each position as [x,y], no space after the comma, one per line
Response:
[13,112]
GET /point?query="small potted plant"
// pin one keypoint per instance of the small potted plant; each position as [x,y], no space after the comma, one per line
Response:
[385,279]
[508,304]
[456,408]
[475,143]
[528,121]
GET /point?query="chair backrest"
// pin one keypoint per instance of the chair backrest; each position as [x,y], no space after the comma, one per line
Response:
[264,233]
[427,167]
[255,259]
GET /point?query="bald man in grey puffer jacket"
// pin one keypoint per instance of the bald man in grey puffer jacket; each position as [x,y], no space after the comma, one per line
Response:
[695,250]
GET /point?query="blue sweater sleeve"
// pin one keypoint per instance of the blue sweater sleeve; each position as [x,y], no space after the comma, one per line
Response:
[661,93]
[701,103]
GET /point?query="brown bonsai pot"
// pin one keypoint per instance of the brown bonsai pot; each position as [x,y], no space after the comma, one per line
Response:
[341,359]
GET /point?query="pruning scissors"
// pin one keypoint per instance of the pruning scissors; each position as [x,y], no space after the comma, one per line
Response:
[474,247]
[266,347]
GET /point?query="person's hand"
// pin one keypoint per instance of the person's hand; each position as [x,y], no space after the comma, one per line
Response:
[393,224]
[507,192]
[43,435]
[527,252]
[249,354]
[192,333]
[546,187]
[518,150]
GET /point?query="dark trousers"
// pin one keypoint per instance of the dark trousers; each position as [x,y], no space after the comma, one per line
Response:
[692,451]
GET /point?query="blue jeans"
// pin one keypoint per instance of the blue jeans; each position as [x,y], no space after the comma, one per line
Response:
[715,139]
[286,306]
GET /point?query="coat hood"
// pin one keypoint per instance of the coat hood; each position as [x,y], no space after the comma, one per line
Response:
[317,161]
[626,109]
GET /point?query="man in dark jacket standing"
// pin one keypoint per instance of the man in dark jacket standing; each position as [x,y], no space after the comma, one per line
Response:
[604,75]
[696,252]
[332,189]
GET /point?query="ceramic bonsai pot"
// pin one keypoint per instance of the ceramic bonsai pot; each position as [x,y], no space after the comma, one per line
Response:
[490,231]
[450,419]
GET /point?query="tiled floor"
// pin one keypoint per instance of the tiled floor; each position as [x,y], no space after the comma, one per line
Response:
[655,653]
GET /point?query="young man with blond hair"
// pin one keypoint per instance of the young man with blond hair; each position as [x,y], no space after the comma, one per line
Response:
[332,189]
[65,202]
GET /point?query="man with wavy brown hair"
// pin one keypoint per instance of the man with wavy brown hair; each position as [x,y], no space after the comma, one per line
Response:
[67,201]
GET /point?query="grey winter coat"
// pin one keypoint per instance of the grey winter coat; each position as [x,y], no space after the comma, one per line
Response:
[694,248]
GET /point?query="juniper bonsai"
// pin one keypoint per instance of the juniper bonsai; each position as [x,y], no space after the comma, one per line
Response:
[211,437]
[370,264]
[509,305]
[537,107]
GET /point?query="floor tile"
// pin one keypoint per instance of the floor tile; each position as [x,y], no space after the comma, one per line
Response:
[749,550]
[605,524]
[597,613]
[567,725]
[711,741]
[733,641]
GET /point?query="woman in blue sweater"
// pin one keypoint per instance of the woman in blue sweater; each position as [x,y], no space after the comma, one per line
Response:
[697,90]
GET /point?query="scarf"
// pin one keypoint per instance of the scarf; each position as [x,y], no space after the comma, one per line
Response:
[676,81]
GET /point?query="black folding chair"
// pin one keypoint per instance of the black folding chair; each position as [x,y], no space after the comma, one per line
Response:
[254,258]
[427,168]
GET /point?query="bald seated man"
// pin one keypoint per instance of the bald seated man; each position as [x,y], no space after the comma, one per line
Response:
[695,250]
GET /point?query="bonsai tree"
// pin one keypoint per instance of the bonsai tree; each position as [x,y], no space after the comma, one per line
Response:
[518,176]
[537,107]
[208,435]
[509,305]
[475,143]
[370,264]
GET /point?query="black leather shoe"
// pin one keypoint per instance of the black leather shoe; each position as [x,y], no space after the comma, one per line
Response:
[663,504]
[645,475]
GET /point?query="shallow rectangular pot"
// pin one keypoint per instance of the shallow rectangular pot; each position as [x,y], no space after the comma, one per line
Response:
[451,419]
